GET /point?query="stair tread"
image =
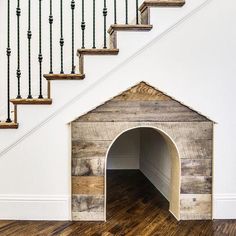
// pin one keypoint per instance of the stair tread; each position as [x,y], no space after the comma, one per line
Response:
[98,51]
[6,125]
[34,101]
[125,27]
[64,76]
[161,3]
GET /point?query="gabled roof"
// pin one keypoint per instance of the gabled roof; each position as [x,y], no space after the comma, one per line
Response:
[142,103]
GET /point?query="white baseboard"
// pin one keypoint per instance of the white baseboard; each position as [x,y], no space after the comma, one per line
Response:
[224,206]
[34,207]
[156,177]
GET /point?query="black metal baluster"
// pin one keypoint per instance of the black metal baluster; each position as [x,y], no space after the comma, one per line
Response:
[40,56]
[51,22]
[137,21]
[115,13]
[29,35]
[82,24]
[105,23]
[126,12]
[94,24]
[18,71]
[8,63]
[73,36]
[61,39]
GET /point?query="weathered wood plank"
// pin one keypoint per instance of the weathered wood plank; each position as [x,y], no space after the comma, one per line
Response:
[196,206]
[92,166]
[90,185]
[196,184]
[196,167]
[105,131]
[156,111]
[87,203]
[82,149]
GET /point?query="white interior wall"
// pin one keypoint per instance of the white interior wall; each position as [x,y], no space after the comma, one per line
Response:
[194,62]
[155,160]
[125,151]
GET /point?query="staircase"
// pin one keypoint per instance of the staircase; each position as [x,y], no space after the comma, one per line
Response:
[142,24]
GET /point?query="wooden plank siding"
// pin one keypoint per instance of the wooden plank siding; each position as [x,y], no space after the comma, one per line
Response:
[141,106]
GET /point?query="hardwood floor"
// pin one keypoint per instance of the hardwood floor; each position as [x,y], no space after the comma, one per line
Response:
[135,208]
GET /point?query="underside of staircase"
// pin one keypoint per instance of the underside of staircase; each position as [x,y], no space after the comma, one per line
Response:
[113,50]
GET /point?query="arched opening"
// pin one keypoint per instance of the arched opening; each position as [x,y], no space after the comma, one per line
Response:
[142,162]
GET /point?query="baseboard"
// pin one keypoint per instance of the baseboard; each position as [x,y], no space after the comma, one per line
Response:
[224,206]
[156,177]
[34,207]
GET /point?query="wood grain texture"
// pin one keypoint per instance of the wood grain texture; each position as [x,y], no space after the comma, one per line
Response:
[34,101]
[196,206]
[5,125]
[87,203]
[124,27]
[90,185]
[87,149]
[64,76]
[142,103]
[196,167]
[196,184]
[93,166]
[161,3]
[98,51]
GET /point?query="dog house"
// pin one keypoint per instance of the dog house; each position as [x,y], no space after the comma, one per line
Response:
[188,135]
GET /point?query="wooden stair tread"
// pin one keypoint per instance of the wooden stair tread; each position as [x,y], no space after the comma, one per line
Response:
[161,3]
[6,125]
[98,51]
[64,76]
[34,101]
[124,27]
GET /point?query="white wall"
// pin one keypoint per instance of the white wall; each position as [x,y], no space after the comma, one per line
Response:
[125,151]
[194,62]
[155,160]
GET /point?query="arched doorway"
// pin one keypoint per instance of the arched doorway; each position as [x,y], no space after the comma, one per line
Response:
[153,154]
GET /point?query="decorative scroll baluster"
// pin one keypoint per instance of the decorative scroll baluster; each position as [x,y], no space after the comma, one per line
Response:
[29,35]
[82,24]
[40,56]
[105,24]
[126,12]
[51,23]
[115,13]
[61,39]
[94,24]
[18,71]
[137,21]
[8,63]
[73,36]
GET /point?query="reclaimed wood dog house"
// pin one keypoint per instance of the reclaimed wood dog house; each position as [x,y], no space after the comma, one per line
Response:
[188,134]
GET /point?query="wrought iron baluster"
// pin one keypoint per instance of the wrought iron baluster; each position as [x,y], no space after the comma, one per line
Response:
[115,13]
[73,36]
[83,24]
[94,24]
[40,56]
[29,35]
[105,24]
[18,71]
[137,20]
[126,12]
[61,39]
[8,51]
[51,23]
